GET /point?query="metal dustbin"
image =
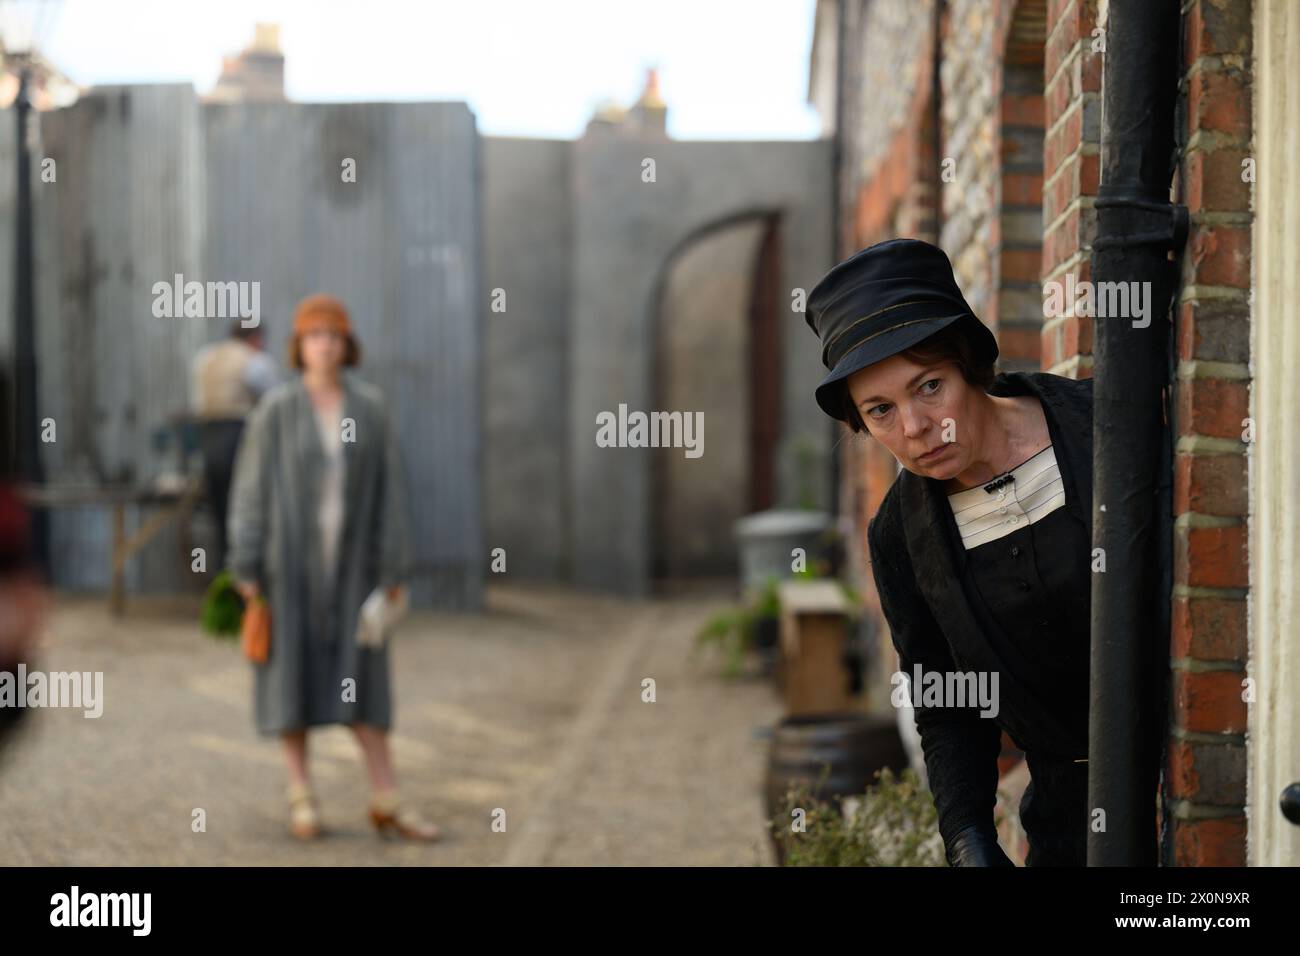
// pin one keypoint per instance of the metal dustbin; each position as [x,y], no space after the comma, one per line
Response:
[766,540]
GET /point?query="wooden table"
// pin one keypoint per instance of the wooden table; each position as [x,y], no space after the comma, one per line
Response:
[174,505]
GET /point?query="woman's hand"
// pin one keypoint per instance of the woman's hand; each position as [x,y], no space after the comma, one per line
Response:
[248,590]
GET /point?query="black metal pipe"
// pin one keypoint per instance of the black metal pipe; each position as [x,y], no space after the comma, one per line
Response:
[27,423]
[1139,236]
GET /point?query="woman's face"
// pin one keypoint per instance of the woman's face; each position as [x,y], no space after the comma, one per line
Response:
[322,350]
[919,410]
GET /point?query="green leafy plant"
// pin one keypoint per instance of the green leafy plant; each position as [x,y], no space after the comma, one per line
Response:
[850,592]
[894,823]
[734,630]
[223,608]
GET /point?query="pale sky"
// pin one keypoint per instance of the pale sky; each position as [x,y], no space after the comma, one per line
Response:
[728,69]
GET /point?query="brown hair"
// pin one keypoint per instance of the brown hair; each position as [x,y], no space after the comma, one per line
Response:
[949,344]
[351,353]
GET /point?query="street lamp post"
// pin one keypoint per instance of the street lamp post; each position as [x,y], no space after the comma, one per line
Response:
[26,420]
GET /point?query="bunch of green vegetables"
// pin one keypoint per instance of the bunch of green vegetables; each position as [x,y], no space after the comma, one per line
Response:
[223,608]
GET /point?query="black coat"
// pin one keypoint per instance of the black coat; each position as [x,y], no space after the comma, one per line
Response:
[917,559]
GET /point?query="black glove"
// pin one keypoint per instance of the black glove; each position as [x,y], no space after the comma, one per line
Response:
[976,846]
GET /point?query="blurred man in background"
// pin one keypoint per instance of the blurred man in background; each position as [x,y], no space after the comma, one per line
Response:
[228,378]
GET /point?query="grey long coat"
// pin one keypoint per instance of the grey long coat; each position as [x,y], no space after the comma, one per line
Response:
[274,541]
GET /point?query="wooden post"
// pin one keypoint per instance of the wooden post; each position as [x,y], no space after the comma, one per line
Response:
[117,588]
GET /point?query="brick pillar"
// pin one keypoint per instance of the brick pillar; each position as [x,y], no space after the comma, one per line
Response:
[1206,773]
[1071,172]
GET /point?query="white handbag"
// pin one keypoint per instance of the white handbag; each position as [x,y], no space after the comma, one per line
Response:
[379,615]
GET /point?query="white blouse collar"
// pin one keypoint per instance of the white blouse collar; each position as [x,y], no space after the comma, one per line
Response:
[1035,490]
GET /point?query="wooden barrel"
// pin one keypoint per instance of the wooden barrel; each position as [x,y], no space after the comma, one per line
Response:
[850,747]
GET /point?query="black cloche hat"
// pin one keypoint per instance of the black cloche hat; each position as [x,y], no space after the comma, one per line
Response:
[880,301]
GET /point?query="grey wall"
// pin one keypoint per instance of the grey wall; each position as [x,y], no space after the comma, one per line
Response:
[495,407]
[125,211]
[624,233]
[704,338]
[400,246]
[151,184]
[528,254]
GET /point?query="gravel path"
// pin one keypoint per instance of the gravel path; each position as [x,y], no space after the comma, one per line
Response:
[534,708]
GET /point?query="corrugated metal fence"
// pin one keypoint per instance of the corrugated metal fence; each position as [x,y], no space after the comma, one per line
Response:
[152,184]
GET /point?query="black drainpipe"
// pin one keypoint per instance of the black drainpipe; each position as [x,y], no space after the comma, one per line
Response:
[1140,234]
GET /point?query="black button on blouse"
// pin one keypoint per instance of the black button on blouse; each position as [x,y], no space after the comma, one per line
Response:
[1028,580]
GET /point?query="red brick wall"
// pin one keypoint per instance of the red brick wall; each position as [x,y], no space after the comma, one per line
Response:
[1071,170]
[897,199]
[1206,785]
[896,196]
[1206,770]
[1016,306]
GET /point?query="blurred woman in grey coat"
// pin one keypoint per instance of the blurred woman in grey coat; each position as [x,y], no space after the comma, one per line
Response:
[318,523]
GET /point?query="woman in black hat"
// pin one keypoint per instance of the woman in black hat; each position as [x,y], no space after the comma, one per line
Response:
[981,549]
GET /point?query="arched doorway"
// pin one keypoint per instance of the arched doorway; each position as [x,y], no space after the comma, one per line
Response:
[716,353]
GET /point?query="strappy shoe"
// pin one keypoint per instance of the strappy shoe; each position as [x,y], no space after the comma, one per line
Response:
[304,819]
[392,819]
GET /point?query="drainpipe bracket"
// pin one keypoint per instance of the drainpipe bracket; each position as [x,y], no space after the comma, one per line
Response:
[1168,222]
